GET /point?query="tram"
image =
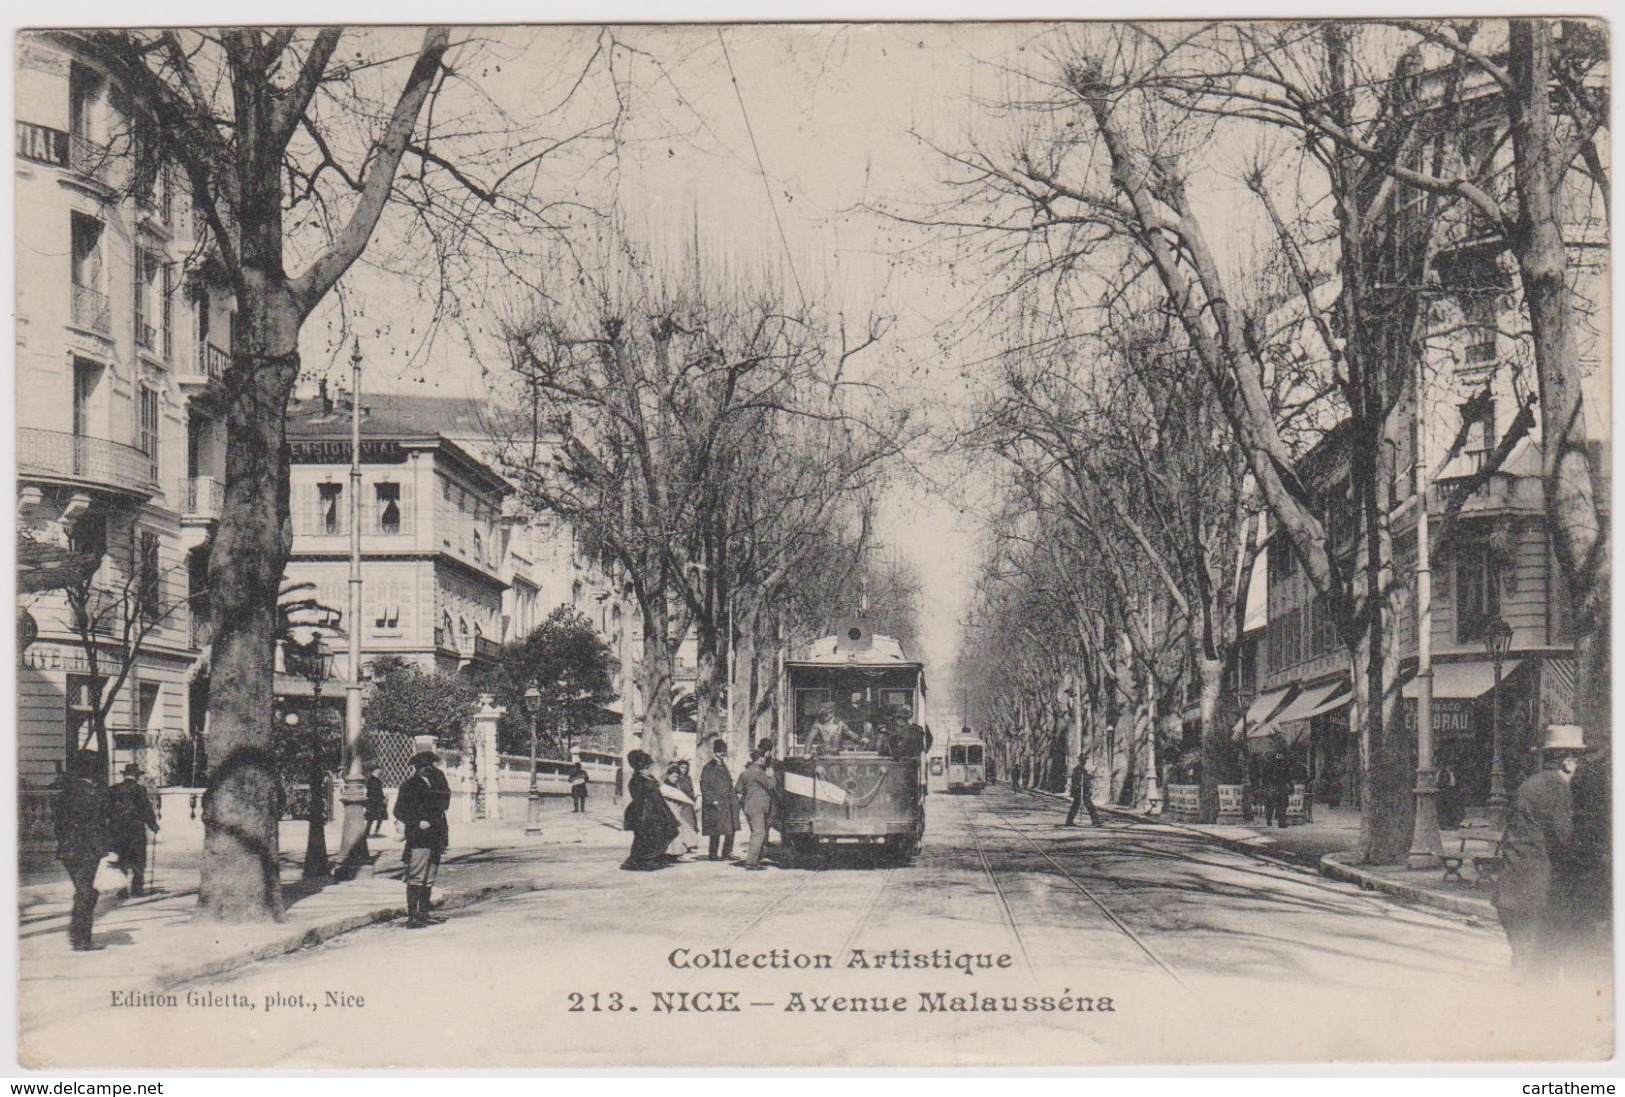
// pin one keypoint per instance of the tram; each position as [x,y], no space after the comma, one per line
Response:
[852,746]
[967,765]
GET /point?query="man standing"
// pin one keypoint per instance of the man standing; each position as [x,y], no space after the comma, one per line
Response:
[1538,831]
[377,810]
[1082,794]
[420,807]
[719,811]
[578,788]
[755,791]
[82,841]
[130,816]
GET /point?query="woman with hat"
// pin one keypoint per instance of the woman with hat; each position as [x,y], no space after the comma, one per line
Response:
[377,812]
[420,808]
[651,822]
[679,793]
[1538,831]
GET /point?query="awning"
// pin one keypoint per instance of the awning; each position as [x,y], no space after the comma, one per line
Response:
[1263,705]
[1303,706]
[1463,680]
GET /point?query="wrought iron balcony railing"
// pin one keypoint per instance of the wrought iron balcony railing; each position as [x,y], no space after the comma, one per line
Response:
[91,309]
[58,455]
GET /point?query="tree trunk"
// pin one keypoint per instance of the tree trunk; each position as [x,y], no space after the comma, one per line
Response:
[1214,736]
[240,875]
[1571,465]
[656,673]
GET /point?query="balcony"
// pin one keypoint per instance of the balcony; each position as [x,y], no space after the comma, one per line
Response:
[205,498]
[475,648]
[212,361]
[92,159]
[92,310]
[60,457]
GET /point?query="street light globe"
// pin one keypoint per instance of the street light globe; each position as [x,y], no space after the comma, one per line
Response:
[291,719]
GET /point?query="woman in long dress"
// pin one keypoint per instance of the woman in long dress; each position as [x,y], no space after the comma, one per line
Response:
[679,793]
[650,820]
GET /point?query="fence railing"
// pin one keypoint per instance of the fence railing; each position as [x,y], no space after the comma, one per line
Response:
[58,454]
[212,361]
[91,309]
[90,158]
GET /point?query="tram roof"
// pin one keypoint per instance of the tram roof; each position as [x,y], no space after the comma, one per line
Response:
[854,659]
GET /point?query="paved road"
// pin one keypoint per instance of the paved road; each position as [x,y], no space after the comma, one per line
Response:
[1027,942]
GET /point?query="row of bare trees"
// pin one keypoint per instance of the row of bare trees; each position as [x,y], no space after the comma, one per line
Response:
[1277,213]
[709,441]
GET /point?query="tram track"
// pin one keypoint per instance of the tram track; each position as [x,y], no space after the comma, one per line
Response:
[998,890]
[1094,899]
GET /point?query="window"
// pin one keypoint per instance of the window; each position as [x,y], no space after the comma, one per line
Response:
[330,500]
[149,580]
[151,282]
[89,535]
[387,498]
[1478,330]
[479,547]
[80,706]
[90,305]
[1478,594]
[87,376]
[1478,424]
[149,430]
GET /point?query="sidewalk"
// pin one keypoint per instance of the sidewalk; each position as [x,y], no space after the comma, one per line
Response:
[157,942]
[1329,845]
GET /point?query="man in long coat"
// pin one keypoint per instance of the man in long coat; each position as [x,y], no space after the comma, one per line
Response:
[82,840]
[1082,794]
[756,789]
[1538,831]
[130,816]
[420,807]
[719,810]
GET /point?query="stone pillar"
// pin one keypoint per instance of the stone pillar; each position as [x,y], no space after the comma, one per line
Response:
[487,793]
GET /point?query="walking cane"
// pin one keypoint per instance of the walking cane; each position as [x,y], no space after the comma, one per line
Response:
[152,866]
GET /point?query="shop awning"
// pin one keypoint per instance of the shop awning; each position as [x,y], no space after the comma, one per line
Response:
[1263,705]
[1303,706]
[1463,680]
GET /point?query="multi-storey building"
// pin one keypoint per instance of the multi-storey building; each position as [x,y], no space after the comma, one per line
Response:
[118,449]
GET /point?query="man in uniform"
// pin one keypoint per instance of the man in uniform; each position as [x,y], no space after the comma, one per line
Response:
[1082,794]
[420,807]
[1539,828]
[130,816]
[82,841]
[719,811]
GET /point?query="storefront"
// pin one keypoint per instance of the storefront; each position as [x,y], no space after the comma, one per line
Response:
[1463,715]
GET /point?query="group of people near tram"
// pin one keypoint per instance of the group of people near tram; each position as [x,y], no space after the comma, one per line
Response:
[667,819]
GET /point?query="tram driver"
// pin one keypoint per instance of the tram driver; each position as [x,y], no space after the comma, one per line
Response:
[829,732]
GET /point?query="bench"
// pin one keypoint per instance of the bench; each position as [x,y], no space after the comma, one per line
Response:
[1484,853]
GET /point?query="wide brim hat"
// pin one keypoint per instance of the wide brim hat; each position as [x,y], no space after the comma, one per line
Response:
[423,758]
[719,747]
[1569,738]
[131,770]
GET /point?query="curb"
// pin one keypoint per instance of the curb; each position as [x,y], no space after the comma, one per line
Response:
[317,934]
[1329,865]
[1335,867]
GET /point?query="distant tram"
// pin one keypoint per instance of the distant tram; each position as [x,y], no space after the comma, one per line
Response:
[853,745]
[967,765]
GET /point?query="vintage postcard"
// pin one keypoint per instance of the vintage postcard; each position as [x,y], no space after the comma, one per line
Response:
[818,545]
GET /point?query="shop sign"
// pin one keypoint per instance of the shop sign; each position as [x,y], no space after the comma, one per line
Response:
[307,451]
[54,657]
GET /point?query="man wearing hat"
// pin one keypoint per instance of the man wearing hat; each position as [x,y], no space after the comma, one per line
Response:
[1538,831]
[756,790]
[719,813]
[82,841]
[420,808]
[129,815]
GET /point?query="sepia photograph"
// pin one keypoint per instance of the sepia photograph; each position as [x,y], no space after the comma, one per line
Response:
[817,545]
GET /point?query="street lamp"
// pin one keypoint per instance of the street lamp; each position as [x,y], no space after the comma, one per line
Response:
[1497,641]
[313,662]
[533,804]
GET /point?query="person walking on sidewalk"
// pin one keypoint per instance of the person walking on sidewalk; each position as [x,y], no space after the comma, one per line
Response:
[377,813]
[130,817]
[719,810]
[82,840]
[755,790]
[648,817]
[578,788]
[1538,832]
[1082,785]
[420,808]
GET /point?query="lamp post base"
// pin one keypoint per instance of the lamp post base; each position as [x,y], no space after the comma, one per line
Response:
[1498,806]
[533,813]
[355,858]
[1426,845]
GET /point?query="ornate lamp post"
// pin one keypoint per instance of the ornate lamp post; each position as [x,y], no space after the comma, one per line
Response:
[1497,641]
[313,662]
[533,803]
